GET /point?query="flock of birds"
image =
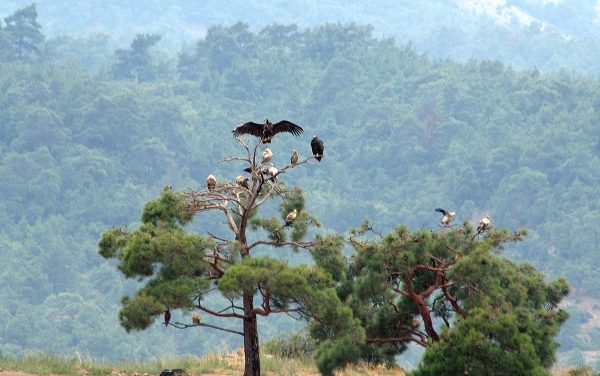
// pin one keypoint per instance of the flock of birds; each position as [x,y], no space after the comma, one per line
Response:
[484,223]
[265,132]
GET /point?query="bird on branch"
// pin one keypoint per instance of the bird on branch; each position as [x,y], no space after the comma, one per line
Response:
[272,170]
[484,224]
[242,181]
[290,217]
[447,216]
[317,148]
[196,319]
[267,130]
[294,158]
[267,155]
[211,182]
[167,317]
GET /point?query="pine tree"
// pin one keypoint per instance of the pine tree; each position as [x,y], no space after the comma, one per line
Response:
[492,314]
[136,62]
[183,268]
[24,34]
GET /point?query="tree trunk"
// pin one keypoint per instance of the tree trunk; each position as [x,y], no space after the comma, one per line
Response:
[251,349]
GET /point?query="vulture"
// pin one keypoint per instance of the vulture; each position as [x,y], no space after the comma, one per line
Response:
[211,182]
[167,317]
[447,218]
[196,319]
[242,180]
[290,217]
[317,148]
[294,158]
[268,130]
[267,155]
[272,170]
[484,224]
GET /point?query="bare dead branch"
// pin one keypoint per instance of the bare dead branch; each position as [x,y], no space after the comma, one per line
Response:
[303,245]
[180,325]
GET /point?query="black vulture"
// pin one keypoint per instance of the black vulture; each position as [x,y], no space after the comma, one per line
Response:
[167,317]
[268,130]
[447,218]
[317,148]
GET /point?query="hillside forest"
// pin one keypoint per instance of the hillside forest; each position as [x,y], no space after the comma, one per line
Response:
[84,143]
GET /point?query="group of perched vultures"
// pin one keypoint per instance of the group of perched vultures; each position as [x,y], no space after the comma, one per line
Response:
[265,132]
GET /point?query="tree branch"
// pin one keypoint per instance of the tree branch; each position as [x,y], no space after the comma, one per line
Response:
[303,245]
[220,314]
[180,325]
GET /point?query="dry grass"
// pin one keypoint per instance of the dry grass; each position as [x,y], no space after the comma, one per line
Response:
[573,371]
[214,365]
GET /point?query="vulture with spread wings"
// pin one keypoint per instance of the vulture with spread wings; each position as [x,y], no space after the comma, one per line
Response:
[267,130]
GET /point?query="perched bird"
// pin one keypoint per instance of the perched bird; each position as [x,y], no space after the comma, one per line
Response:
[268,130]
[294,158]
[447,218]
[317,148]
[290,217]
[484,224]
[272,170]
[167,317]
[242,180]
[211,182]
[415,323]
[267,155]
[196,319]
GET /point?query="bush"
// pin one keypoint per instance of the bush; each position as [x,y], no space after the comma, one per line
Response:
[295,346]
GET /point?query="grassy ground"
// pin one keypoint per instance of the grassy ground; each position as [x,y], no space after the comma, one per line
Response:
[230,364]
[213,365]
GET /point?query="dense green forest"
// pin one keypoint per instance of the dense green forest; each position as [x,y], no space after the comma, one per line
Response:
[83,146]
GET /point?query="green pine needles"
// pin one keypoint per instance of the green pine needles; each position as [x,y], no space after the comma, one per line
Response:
[449,291]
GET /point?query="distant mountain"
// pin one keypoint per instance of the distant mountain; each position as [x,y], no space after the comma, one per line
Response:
[547,34]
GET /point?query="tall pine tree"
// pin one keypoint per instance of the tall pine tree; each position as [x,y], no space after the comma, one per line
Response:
[184,269]
[24,34]
[451,292]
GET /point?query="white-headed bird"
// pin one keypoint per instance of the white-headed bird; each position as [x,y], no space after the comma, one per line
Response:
[267,155]
[294,158]
[447,216]
[272,170]
[242,181]
[484,224]
[196,319]
[211,182]
[290,217]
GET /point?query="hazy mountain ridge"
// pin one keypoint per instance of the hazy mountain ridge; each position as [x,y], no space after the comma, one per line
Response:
[549,35]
